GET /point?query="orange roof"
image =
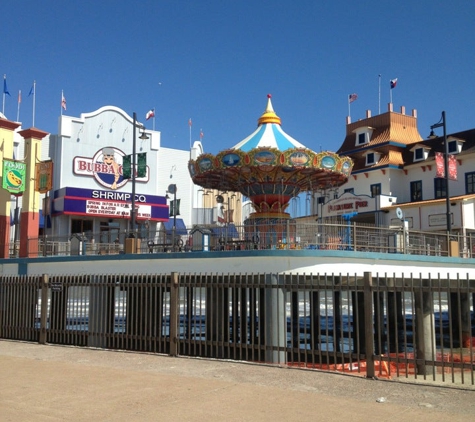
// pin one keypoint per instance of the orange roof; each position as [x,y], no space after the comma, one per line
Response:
[389,126]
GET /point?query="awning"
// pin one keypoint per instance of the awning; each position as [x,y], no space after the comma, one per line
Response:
[180,228]
[225,231]
[42,221]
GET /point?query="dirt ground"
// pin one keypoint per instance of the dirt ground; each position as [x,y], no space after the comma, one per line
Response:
[55,383]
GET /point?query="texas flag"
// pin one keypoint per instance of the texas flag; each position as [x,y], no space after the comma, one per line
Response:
[150,114]
[63,101]
[393,83]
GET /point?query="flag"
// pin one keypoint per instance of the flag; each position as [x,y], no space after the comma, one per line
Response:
[19,96]
[189,122]
[32,90]
[352,97]
[150,114]
[63,101]
[201,134]
[5,89]
[452,167]
[174,208]
[393,83]
[439,165]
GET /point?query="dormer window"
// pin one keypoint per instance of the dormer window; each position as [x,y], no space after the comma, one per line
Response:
[420,153]
[454,145]
[363,135]
[372,158]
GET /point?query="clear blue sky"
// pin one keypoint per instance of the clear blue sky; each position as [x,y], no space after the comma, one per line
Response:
[215,61]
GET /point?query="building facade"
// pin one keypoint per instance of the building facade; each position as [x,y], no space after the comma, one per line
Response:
[92,193]
[399,175]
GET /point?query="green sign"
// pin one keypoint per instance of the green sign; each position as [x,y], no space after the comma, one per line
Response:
[142,164]
[14,177]
[126,166]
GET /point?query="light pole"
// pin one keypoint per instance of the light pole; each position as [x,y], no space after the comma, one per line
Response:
[172,189]
[143,136]
[441,123]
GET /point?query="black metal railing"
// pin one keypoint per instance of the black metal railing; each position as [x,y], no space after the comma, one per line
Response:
[347,237]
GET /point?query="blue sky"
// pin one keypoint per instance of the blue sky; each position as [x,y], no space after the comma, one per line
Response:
[215,61]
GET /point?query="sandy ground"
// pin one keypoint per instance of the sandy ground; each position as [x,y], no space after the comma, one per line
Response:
[55,383]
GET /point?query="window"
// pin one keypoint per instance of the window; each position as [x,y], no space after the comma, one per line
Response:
[349,190]
[370,158]
[81,226]
[375,189]
[440,188]
[361,138]
[470,183]
[416,191]
[418,154]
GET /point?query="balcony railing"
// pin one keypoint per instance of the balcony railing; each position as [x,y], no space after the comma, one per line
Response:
[313,236]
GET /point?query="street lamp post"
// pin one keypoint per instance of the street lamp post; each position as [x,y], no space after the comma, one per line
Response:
[441,123]
[143,136]
[172,189]
[132,212]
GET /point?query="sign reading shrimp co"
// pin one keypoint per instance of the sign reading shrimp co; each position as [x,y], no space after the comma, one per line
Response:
[14,176]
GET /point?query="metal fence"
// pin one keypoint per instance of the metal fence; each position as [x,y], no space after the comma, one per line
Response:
[373,326]
[292,235]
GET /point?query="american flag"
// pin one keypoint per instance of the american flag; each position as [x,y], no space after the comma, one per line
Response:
[352,97]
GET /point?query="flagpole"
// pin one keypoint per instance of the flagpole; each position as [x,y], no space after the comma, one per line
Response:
[349,109]
[390,93]
[4,89]
[18,110]
[189,121]
[34,102]
[61,103]
[379,95]
[153,123]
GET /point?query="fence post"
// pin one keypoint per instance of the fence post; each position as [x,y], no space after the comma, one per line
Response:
[369,335]
[174,290]
[44,308]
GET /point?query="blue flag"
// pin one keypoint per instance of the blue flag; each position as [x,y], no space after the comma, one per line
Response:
[31,90]
[5,90]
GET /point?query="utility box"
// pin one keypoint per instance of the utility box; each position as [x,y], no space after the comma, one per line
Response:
[78,244]
[454,248]
[132,245]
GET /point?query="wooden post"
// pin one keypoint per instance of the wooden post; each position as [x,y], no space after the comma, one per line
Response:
[368,313]
[425,329]
[174,317]
[44,308]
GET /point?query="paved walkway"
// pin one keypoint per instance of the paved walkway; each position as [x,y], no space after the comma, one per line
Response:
[54,383]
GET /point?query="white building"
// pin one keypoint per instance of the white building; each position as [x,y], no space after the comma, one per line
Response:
[90,194]
[396,168]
